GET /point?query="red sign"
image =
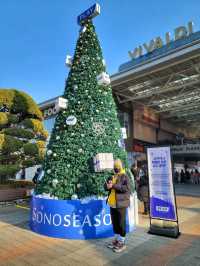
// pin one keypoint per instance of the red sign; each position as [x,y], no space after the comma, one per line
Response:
[138,148]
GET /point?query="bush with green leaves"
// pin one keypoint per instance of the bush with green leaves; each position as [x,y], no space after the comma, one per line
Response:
[8,170]
[19,133]
[22,134]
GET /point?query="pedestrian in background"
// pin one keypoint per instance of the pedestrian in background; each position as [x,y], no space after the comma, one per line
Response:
[119,200]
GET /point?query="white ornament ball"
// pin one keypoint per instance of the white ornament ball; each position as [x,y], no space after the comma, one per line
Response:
[106,119]
[80,150]
[72,134]
[55,182]
[54,155]
[78,185]
[48,171]
[57,127]
[82,135]
[97,111]
[74,197]
[101,102]
[68,151]
[49,152]
[68,165]
[57,137]
[79,102]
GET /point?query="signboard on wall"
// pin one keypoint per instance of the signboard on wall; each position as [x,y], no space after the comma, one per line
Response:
[162,199]
[186,149]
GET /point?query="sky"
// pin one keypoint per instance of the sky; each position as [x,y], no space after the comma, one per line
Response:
[36,36]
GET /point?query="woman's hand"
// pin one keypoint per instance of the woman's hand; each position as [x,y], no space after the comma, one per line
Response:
[109,184]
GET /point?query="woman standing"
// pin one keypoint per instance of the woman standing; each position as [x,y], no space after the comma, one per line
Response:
[119,199]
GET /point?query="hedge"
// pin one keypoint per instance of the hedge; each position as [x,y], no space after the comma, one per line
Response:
[29,163]
[34,124]
[20,102]
[8,171]
[13,119]
[19,132]
[9,144]
[3,119]
[31,149]
[43,135]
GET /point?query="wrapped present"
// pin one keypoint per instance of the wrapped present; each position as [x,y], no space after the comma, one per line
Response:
[68,60]
[103,79]
[103,162]
[61,103]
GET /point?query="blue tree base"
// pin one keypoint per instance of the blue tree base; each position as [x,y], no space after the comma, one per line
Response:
[74,219]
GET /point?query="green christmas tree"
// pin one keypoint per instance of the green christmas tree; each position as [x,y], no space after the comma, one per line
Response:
[68,166]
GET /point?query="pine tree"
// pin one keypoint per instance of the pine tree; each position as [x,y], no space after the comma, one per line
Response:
[68,166]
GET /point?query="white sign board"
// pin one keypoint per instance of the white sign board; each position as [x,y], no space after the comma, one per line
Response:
[162,199]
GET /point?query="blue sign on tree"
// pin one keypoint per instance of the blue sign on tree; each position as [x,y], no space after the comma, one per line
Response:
[91,12]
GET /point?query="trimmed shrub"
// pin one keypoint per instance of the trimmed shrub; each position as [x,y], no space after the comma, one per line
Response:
[8,171]
[31,149]
[3,119]
[41,150]
[43,135]
[9,144]
[6,97]
[34,124]
[41,144]
[20,102]
[19,132]
[29,163]
[13,119]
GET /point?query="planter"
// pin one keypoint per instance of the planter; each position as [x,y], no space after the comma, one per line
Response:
[75,219]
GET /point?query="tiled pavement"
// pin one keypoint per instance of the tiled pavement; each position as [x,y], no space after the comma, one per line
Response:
[21,247]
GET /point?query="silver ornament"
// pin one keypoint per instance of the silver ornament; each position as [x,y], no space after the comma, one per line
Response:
[98,128]
[48,171]
[78,185]
[49,152]
[74,197]
[54,182]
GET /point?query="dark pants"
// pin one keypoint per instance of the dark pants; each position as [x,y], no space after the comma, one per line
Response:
[118,217]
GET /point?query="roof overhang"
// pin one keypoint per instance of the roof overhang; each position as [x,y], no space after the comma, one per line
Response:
[168,82]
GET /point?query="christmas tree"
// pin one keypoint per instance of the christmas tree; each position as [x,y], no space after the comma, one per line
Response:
[88,126]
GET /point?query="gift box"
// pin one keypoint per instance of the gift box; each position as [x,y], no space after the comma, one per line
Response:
[103,79]
[103,162]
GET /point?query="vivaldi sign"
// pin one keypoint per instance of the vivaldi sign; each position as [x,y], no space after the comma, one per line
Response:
[158,42]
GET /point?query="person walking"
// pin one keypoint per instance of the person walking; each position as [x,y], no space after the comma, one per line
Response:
[119,200]
[144,192]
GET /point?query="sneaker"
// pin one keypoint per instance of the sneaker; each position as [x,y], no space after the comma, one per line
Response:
[113,244]
[119,247]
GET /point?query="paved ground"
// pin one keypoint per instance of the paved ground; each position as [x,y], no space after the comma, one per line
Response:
[21,247]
